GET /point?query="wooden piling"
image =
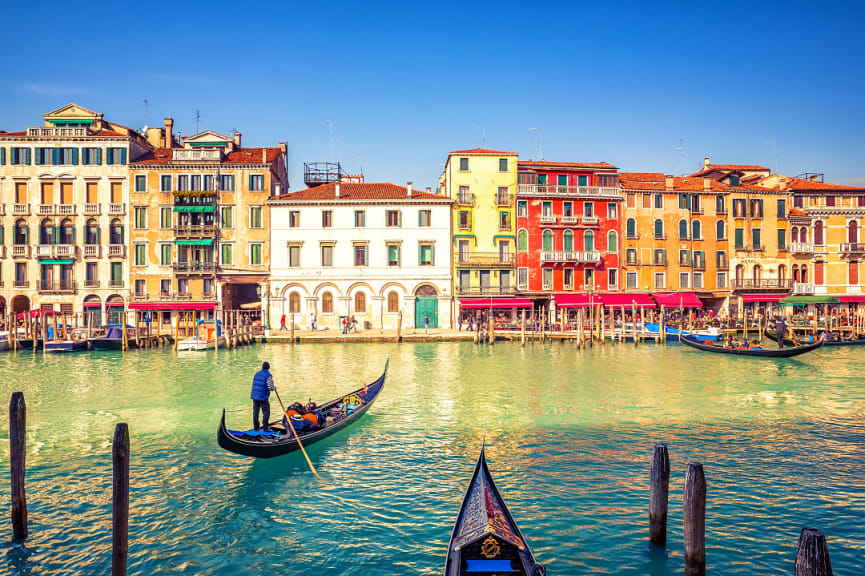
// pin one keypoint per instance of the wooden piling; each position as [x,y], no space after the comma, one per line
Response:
[634,318]
[399,327]
[492,335]
[17,453]
[812,557]
[292,328]
[120,500]
[523,330]
[603,325]
[663,324]
[125,335]
[44,326]
[659,495]
[695,520]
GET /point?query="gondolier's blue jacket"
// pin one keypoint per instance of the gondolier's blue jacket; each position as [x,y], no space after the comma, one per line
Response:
[262,384]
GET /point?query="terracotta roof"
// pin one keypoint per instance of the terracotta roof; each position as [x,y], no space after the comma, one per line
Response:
[22,133]
[642,176]
[484,152]
[356,191]
[242,156]
[731,168]
[802,184]
[547,163]
[649,181]
[109,133]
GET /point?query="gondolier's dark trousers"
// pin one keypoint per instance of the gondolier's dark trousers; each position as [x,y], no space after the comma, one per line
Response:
[264,406]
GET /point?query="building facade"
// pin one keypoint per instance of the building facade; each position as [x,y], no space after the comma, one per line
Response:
[368,250]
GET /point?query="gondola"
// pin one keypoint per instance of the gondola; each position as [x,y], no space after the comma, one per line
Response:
[485,539]
[763,353]
[843,342]
[279,441]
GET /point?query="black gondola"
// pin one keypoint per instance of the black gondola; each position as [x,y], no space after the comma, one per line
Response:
[485,539]
[762,352]
[280,441]
[843,342]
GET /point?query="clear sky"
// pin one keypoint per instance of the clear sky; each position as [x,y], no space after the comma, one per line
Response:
[406,82]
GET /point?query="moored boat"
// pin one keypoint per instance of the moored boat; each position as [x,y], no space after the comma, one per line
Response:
[828,342]
[331,417]
[208,335]
[485,538]
[111,338]
[756,352]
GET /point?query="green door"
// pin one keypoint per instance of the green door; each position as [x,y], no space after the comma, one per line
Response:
[426,306]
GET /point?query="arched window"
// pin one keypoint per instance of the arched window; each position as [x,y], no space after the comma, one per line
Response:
[589,241]
[659,228]
[803,273]
[393,300]
[720,230]
[22,233]
[740,274]
[46,231]
[795,271]
[782,272]
[91,232]
[803,234]
[327,303]
[696,230]
[631,228]
[116,236]
[523,241]
[683,228]
[818,233]
[360,302]
[794,234]
[569,241]
[548,241]
[294,303]
[853,232]
[613,242]
[67,232]
[757,273]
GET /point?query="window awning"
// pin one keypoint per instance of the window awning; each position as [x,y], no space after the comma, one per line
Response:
[852,299]
[194,208]
[487,303]
[204,242]
[70,261]
[172,306]
[92,305]
[502,237]
[762,297]
[577,300]
[805,300]
[677,299]
[628,300]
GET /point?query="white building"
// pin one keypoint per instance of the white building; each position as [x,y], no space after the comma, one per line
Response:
[361,249]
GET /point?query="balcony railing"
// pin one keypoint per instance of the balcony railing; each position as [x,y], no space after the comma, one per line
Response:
[20,251]
[117,251]
[801,248]
[588,257]
[484,290]
[113,283]
[194,267]
[197,155]
[140,296]
[466,199]
[548,219]
[195,230]
[64,209]
[570,220]
[851,248]
[116,209]
[45,210]
[91,209]
[594,191]
[21,209]
[92,283]
[56,287]
[92,250]
[762,284]
[482,259]
[503,199]
[590,220]
[20,284]
[56,251]
[803,288]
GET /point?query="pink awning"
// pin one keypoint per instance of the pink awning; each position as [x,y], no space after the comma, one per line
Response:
[38,312]
[172,306]
[851,299]
[677,299]
[487,303]
[576,300]
[762,297]
[92,305]
[628,300]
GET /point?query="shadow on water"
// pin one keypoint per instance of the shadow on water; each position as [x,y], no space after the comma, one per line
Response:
[18,559]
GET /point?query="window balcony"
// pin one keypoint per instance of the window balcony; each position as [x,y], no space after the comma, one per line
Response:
[20,251]
[590,220]
[762,284]
[21,209]
[570,220]
[505,227]
[485,290]
[852,249]
[805,288]
[140,296]
[194,267]
[20,284]
[114,283]
[92,283]
[91,209]
[195,230]
[546,286]
[64,209]
[117,251]
[660,236]
[548,219]
[484,259]
[552,190]
[801,248]
[465,199]
[56,251]
[92,251]
[45,210]
[51,287]
[116,209]
[583,257]
[503,199]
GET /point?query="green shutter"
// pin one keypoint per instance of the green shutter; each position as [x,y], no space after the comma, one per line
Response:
[37,161]
[250,182]
[109,157]
[2,234]
[56,154]
[55,234]
[2,156]
[740,237]
[782,238]
[97,156]
[123,156]
[27,156]
[98,235]
[27,234]
[75,156]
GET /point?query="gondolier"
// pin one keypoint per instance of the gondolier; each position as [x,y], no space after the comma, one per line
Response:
[262,385]
[780,331]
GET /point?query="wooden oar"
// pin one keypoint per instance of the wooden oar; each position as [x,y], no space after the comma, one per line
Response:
[288,419]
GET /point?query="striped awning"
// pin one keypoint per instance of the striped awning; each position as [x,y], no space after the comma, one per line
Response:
[195,209]
[203,242]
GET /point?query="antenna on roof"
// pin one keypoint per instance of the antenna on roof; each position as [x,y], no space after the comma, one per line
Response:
[537,135]
[775,148]
[197,120]
[681,147]
[483,135]
[146,112]
[331,139]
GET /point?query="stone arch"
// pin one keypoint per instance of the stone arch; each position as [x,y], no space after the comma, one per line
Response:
[426,289]
[321,287]
[358,285]
[20,303]
[390,285]
[360,298]
[283,292]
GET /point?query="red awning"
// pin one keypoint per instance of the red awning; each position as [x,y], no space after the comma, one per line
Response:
[576,300]
[762,297]
[38,312]
[627,300]
[677,299]
[851,299]
[172,306]
[487,303]
[92,305]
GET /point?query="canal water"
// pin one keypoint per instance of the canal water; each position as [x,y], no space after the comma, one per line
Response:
[569,439]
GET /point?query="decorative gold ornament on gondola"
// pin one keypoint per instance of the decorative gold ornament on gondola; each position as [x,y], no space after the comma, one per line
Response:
[490,548]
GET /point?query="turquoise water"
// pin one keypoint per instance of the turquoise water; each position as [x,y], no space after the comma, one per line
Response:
[569,432]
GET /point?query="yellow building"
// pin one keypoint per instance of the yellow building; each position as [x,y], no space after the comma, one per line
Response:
[482,184]
[200,236]
[64,210]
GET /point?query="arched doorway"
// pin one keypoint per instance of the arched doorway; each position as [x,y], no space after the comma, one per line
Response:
[20,304]
[426,303]
[92,311]
[3,312]
[114,309]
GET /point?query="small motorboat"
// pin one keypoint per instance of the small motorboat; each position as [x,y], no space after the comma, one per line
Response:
[208,335]
[110,337]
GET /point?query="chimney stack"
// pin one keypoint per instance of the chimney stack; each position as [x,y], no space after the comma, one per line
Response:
[169,127]
[668,182]
[428,190]
[706,163]
[337,189]
[264,155]
[236,139]
[707,184]
[408,188]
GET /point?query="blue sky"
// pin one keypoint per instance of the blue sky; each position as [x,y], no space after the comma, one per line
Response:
[404,83]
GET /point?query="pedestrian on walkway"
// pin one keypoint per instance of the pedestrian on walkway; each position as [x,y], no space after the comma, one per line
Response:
[282,323]
[426,324]
[312,322]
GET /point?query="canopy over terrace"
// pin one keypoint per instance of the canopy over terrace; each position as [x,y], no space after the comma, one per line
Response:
[495,303]
[746,298]
[628,300]
[38,313]
[805,300]
[172,306]
[677,299]
[577,300]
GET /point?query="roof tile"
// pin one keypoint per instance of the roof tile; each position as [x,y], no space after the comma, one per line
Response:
[349,191]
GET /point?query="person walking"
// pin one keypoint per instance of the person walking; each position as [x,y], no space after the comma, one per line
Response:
[262,386]
[426,324]
[312,322]
[282,323]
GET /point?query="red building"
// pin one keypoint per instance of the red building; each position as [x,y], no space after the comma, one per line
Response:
[568,227]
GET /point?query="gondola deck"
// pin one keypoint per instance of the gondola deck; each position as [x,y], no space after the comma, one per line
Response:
[759,353]
[282,441]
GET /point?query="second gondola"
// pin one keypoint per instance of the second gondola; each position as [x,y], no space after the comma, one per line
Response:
[754,352]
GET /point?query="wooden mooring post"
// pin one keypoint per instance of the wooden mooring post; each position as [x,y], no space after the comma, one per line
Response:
[291,335]
[812,556]
[659,495]
[17,452]
[523,330]
[695,520]
[399,327]
[120,500]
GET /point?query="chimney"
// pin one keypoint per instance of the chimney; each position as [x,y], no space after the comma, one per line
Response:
[706,163]
[169,126]
[264,155]
[155,137]
[337,189]
[707,184]
[283,147]
[668,182]
[236,139]
[408,188]
[428,190]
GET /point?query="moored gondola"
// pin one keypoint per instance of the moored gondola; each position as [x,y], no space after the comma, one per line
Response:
[828,342]
[330,418]
[756,352]
[485,538]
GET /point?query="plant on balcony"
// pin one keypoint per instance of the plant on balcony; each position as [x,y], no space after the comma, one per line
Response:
[194,193]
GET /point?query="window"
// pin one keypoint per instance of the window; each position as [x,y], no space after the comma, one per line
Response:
[465,196]
[684,203]
[684,278]
[393,302]
[165,254]
[699,259]
[755,239]
[464,164]
[140,217]
[326,255]
[226,216]
[294,219]
[696,230]
[659,201]
[226,182]
[294,304]
[818,233]
[647,201]
[782,208]
[522,278]
[360,302]
[612,211]
[589,275]
[631,228]
[503,165]
[548,241]
[115,156]
[720,230]
[424,218]
[140,254]
[465,220]
[255,254]
[502,196]
[631,200]
[116,232]
[756,208]
[255,217]
[612,278]
[568,244]
[738,207]
[293,255]
[567,209]
[659,229]
[683,229]
[522,209]
[588,209]
[90,156]
[360,255]
[721,259]
[546,209]
[207,182]
[684,258]
[698,280]
[327,218]
[327,303]
[182,183]
[522,241]
[182,286]
[392,218]
[91,232]
[660,257]
[393,255]
[853,273]
[227,254]
[116,275]
[582,180]
[359,218]
[256,182]
[830,201]
[165,219]
[90,274]
[631,256]
[660,280]
[589,241]
[547,279]
[739,240]
[139,287]
[631,280]
[207,288]
[782,239]
[720,205]
[721,280]
[818,273]
[140,183]
[426,255]
[612,242]
[504,220]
